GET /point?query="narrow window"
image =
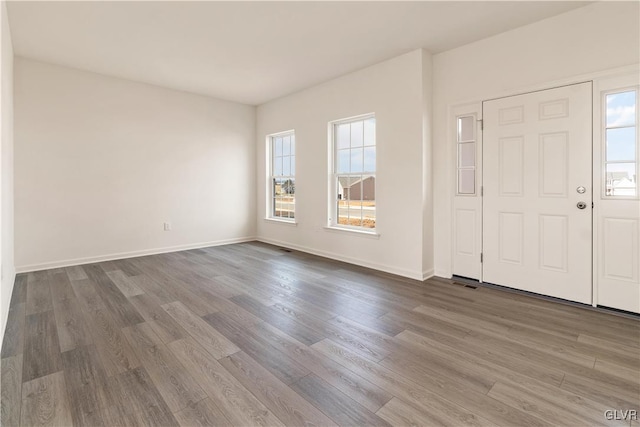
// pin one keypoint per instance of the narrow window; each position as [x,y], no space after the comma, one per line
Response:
[466,145]
[621,144]
[354,173]
[282,180]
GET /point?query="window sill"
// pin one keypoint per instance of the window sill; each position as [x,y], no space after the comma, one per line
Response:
[282,221]
[362,233]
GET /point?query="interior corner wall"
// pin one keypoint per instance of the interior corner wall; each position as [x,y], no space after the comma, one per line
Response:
[427,166]
[393,91]
[8,272]
[102,163]
[594,38]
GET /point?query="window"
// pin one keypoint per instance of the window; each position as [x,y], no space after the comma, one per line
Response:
[282,180]
[353,198]
[621,144]
[466,145]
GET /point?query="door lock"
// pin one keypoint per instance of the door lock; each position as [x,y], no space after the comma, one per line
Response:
[581,190]
[581,205]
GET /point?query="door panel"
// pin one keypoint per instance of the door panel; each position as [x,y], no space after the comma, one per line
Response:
[467,203]
[536,153]
[618,215]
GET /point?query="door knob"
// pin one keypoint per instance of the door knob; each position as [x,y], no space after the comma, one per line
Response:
[581,205]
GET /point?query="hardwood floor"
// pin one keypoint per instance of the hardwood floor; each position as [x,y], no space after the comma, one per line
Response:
[250,334]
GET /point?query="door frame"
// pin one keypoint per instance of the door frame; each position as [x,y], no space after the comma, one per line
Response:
[475,106]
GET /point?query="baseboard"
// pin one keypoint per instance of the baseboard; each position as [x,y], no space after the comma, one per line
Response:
[132,254]
[443,274]
[374,266]
[427,274]
[10,277]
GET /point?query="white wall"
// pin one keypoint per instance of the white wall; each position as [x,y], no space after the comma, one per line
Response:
[427,168]
[393,90]
[594,38]
[6,175]
[101,163]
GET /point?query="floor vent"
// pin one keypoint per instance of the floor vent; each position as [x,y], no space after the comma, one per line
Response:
[465,285]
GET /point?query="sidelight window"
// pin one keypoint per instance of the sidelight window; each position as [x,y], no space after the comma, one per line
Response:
[621,144]
[466,145]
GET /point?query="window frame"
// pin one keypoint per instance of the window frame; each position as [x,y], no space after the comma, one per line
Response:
[271,197]
[603,138]
[332,214]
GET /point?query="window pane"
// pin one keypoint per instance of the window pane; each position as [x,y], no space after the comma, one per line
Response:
[621,179]
[369,189]
[293,145]
[355,192]
[277,166]
[343,136]
[293,164]
[621,144]
[466,128]
[277,146]
[343,165]
[466,181]
[621,109]
[369,205]
[277,187]
[281,208]
[351,209]
[357,160]
[467,154]
[344,186]
[370,131]
[286,145]
[289,187]
[286,166]
[370,159]
[357,136]
[343,190]
[343,213]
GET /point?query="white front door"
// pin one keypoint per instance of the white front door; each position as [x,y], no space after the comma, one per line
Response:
[537,205]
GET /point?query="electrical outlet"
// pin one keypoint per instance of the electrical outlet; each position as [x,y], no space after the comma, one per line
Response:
[167,226]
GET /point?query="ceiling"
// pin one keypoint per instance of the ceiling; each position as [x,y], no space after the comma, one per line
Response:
[253,52]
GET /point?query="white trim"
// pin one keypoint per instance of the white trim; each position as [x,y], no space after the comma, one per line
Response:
[282,221]
[353,119]
[411,274]
[283,133]
[132,254]
[11,277]
[443,274]
[427,274]
[356,231]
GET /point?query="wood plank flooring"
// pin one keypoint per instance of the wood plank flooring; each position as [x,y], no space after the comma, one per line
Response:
[250,334]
